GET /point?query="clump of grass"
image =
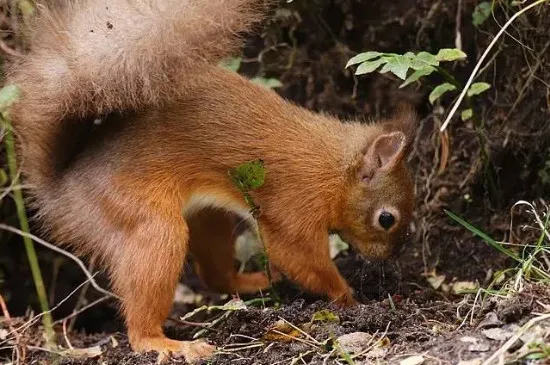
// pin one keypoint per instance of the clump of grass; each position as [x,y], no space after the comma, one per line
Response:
[531,259]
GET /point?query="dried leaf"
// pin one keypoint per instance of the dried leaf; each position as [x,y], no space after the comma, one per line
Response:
[85,353]
[461,287]
[436,281]
[281,331]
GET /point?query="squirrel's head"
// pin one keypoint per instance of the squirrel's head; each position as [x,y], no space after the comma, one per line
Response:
[381,198]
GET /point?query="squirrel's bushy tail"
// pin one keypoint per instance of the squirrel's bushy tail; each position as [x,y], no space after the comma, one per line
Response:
[88,58]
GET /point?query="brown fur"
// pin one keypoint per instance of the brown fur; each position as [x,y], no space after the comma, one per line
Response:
[174,124]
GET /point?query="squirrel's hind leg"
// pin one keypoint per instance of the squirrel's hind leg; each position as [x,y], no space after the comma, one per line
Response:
[145,273]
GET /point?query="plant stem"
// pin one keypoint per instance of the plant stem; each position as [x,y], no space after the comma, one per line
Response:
[448,77]
[24,223]
[267,267]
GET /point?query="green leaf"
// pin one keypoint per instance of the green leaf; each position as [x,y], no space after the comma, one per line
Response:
[398,66]
[249,175]
[270,83]
[485,237]
[369,66]
[450,54]
[428,58]
[231,63]
[422,60]
[466,114]
[3,177]
[336,245]
[440,90]
[325,315]
[536,356]
[26,7]
[8,95]
[481,13]
[362,57]
[478,88]
[417,75]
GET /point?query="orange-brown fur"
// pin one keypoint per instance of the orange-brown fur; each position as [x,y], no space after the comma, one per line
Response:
[173,125]
[211,242]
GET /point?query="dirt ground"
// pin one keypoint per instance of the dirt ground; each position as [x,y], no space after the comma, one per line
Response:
[410,308]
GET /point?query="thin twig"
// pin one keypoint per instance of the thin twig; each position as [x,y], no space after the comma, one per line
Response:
[482,58]
[83,309]
[65,335]
[515,337]
[80,302]
[63,252]
[19,357]
[33,320]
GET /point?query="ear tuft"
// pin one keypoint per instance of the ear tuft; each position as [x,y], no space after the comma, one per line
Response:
[404,120]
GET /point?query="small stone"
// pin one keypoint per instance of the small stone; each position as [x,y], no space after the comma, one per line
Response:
[479,347]
[497,334]
[490,320]
[469,339]
[412,360]
[471,362]
[355,342]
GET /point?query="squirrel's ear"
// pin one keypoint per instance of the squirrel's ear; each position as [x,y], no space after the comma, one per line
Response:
[384,153]
[403,120]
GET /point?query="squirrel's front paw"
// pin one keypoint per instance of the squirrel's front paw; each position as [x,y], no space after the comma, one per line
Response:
[191,351]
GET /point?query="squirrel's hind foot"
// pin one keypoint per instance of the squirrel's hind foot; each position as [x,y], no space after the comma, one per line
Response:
[191,351]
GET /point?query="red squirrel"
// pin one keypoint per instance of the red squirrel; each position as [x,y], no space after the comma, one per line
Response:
[127,128]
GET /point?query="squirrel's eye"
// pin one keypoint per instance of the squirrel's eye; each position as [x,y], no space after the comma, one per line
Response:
[386,220]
